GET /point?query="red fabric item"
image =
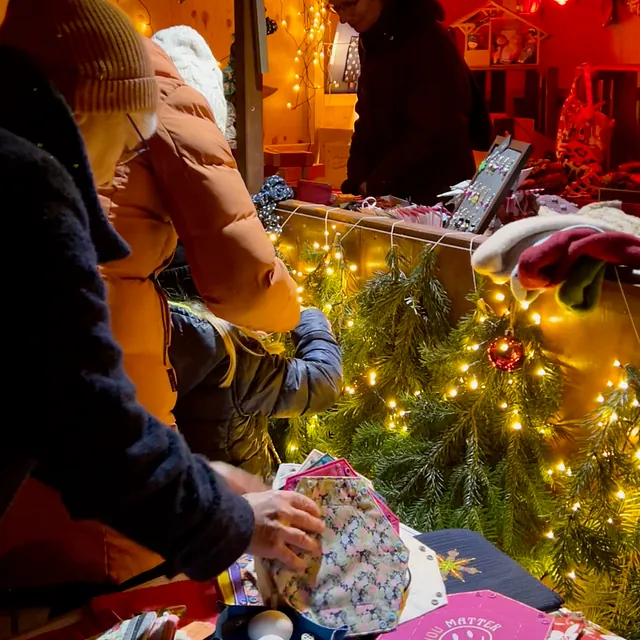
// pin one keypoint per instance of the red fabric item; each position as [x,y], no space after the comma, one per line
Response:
[200,599]
[547,264]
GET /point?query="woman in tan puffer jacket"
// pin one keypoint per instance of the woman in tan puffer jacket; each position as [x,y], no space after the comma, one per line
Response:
[185,184]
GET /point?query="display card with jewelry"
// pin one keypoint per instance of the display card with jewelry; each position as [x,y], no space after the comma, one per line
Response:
[492,183]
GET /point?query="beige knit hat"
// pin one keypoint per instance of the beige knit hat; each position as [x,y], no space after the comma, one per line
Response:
[89,49]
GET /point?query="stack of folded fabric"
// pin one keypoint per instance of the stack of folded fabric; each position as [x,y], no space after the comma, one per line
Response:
[568,253]
[362,581]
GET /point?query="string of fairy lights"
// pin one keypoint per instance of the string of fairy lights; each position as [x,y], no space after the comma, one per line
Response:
[307,32]
[333,264]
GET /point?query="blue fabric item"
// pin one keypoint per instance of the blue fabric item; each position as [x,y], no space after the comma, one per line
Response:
[495,570]
[232,424]
[232,624]
[79,427]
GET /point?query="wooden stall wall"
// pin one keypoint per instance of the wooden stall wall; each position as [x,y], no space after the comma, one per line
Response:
[584,346]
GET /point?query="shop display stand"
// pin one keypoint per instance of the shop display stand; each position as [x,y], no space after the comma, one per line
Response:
[490,186]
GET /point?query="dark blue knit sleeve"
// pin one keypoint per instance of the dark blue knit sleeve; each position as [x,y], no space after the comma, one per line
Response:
[110,460]
[308,383]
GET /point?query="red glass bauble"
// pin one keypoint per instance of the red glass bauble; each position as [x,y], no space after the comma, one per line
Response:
[506,353]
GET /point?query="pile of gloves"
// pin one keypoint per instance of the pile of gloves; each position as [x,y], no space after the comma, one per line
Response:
[567,252]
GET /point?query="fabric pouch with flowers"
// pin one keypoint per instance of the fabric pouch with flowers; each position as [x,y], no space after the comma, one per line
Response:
[361,580]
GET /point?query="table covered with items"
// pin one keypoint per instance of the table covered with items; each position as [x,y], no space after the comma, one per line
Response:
[375,576]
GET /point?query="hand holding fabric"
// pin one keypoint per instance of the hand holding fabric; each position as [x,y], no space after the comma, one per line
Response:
[284,519]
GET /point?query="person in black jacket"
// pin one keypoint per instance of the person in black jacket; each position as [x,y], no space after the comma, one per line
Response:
[420,113]
[71,416]
[229,385]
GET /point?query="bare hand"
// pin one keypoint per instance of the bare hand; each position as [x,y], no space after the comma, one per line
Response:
[283,520]
[238,480]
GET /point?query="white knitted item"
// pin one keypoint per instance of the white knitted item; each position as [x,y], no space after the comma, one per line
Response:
[198,67]
[498,255]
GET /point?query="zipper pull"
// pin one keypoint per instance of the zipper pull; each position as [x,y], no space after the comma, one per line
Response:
[172,379]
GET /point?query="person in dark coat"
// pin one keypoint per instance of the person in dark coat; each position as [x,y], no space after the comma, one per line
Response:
[420,113]
[229,385]
[72,419]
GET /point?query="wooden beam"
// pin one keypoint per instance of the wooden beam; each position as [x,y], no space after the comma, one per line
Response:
[248,94]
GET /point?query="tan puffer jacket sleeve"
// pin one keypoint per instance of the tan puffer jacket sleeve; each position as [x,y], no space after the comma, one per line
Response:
[232,260]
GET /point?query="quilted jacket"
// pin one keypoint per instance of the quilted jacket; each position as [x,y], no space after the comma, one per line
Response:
[231,424]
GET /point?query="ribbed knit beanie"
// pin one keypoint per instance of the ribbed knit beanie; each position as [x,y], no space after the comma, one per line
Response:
[89,50]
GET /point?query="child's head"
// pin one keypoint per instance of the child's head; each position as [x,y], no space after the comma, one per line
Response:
[232,337]
[90,51]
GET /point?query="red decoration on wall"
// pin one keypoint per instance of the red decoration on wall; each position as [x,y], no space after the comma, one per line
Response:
[530,7]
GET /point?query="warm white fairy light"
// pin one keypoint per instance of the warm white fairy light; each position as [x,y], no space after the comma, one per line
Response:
[623,384]
[464,367]
[617,363]
[300,289]
[316,245]
[524,304]
[329,271]
[337,255]
[392,404]
[541,371]
[550,535]
[621,495]
[561,467]
[473,384]
[537,318]
[353,267]
[600,399]
[516,426]
[500,297]
[571,575]
[453,392]
[349,323]
[576,506]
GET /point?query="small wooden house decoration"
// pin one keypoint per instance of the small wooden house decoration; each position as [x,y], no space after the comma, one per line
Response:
[495,36]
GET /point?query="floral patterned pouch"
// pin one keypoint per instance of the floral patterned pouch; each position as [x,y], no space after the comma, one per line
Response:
[362,579]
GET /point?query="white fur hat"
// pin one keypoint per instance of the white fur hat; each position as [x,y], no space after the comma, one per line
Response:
[197,65]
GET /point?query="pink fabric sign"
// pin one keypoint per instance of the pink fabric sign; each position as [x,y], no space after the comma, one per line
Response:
[479,615]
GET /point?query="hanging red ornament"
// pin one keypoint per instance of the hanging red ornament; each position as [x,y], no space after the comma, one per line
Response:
[506,353]
[530,6]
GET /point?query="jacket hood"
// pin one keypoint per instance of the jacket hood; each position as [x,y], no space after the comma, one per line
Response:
[37,113]
[197,65]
